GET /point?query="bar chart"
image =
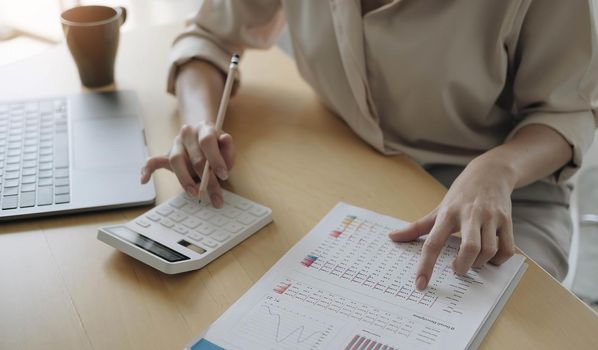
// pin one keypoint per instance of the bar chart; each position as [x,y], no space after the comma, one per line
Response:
[362,343]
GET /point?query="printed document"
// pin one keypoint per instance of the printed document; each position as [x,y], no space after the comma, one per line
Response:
[347,286]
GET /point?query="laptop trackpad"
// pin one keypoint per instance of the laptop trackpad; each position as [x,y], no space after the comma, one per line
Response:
[107,142]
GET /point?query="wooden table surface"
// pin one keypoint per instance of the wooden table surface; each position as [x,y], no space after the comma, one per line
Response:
[60,288]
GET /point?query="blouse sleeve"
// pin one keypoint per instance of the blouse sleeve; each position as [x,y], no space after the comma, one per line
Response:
[556,73]
[223,27]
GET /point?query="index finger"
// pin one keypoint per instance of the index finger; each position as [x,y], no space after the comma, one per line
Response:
[430,251]
[180,165]
[191,145]
[208,143]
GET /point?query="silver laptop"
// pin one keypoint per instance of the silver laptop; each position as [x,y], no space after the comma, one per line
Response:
[68,154]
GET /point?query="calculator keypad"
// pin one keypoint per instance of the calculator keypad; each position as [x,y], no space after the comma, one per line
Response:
[201,223]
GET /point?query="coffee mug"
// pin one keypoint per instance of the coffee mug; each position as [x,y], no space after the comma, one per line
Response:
[92,34]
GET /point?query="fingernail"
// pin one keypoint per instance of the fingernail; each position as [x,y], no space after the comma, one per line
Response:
[216,201]
[191,190]
[420,282]
[222,173]
[142,177]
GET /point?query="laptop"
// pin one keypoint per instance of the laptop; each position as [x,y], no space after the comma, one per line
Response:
[70,154]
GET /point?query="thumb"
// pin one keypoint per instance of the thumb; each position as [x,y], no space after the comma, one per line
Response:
[414,230]
[153,164]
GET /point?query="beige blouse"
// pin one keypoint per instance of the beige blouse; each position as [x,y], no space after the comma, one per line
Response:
[442,81]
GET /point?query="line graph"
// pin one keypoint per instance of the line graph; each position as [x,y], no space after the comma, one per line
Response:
[272,325]
[281,338]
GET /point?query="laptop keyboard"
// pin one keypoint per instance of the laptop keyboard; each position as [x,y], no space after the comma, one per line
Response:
[34,157]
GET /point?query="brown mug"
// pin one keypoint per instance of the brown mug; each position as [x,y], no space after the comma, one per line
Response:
[92,34]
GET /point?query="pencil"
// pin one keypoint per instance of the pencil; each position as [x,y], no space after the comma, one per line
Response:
[228,87]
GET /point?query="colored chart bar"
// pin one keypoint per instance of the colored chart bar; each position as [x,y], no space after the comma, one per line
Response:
[308,260]
[348,220]
[335,234]
[282,287]
[362,343]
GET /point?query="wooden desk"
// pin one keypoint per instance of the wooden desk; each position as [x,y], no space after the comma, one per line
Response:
[60,288]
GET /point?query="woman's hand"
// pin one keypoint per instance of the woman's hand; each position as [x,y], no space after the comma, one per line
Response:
[199,86]
[187,157]
[478,204]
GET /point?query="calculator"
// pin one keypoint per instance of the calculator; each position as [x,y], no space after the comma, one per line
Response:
[185,234]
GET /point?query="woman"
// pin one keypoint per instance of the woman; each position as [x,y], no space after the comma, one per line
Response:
[494,98]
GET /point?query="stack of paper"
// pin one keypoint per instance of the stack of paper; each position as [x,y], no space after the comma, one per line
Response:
[346,285]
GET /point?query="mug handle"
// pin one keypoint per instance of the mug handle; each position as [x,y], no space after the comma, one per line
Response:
[123,14]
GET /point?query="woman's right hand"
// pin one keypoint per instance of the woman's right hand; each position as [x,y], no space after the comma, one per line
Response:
[187,157]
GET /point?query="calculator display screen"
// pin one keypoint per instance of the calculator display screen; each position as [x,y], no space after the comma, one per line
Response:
[147,244]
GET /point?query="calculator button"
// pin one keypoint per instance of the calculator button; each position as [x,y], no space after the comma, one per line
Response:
[195,236]
[246,219]
[220,236]
[218,220]
[191,222]
[243,205]
[231,212]
[205,214]
[205,229]
[233,227]
[165,211]
[142,223]
[153,216]
[191,208]
[178,202]
[167,223]
[208,242]
[228,197]
[258,211]
[216,210]
[181,229]
[176,216]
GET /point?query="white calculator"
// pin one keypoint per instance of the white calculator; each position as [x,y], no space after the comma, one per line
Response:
[185,234]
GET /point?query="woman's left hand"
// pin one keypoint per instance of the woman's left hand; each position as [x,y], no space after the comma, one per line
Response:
[478,204]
